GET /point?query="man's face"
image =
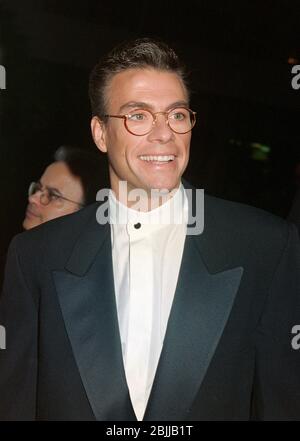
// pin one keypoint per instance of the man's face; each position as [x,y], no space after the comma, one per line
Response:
[58,179]
[153,90]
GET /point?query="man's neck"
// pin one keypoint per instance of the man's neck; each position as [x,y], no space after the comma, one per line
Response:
[143,200]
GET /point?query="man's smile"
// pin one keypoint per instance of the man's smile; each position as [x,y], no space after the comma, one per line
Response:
[158,160]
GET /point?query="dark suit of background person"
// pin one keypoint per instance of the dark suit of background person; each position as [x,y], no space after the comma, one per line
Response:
[227,353]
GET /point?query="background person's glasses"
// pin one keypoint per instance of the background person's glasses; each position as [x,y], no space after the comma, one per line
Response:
[47,195]
[140,122]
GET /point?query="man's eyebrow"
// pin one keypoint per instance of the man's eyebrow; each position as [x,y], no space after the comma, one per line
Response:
[181,103]
[143,105]
[135,105]
[53,189]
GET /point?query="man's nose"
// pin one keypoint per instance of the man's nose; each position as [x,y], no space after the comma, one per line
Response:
[35,198]
[161,130]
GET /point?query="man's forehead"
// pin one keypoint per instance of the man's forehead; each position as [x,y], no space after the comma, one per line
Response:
[56,174]
[145,85]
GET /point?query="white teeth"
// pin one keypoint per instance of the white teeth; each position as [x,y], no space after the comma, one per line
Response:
[158,158]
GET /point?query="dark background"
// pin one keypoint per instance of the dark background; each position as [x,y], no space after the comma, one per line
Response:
[246,143]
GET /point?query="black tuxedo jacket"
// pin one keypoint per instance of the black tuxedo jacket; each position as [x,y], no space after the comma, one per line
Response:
[294,215]
[227,353]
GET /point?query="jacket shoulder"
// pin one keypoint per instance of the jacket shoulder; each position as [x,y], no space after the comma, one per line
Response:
[55,237]
[239,226]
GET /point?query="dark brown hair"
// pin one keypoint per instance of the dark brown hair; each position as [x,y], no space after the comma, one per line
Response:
[137,54]
[86,166]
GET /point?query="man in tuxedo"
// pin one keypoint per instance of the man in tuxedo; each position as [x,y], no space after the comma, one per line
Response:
[136,318]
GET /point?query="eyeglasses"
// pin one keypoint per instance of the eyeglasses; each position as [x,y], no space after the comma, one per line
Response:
[140,121]
[48,195]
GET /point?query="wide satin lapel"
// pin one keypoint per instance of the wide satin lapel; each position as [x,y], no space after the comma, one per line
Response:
[201,306]
[87,300]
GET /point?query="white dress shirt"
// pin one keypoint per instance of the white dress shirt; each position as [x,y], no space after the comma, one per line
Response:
[146,263]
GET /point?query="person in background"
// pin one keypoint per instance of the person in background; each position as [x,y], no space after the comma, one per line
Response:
[68,184]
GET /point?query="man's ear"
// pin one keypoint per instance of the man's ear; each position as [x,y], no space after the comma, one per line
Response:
[98,133]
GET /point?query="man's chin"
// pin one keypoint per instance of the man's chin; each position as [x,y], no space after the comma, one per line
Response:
[28,224]
[168,185]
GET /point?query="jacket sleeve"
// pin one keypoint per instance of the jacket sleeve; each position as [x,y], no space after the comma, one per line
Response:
[277,380]
[18,361]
